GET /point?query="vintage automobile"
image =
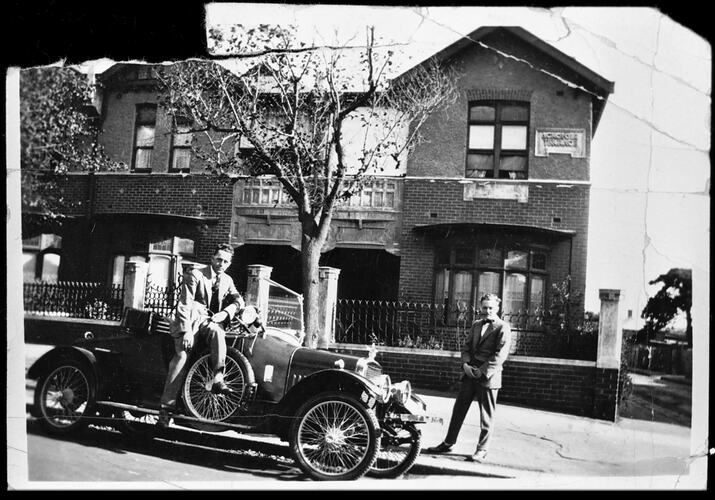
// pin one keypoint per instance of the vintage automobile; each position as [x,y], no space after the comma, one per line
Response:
[340,414]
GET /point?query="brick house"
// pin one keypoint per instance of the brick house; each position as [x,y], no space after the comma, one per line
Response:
[495,199]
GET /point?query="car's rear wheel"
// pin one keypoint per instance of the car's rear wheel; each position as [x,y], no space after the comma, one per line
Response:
[198,399]
[65,396]
[400,446]
[334,437]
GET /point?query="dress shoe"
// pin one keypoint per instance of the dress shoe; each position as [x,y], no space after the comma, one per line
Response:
[221,388]
[164,419]
[478,456]
[440,448]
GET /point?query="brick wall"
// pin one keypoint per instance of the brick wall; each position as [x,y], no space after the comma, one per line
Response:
[191,195]
[125,194]
[438,202]
[574,387]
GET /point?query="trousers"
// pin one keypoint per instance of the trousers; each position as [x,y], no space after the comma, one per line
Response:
[215,335]
[487,401]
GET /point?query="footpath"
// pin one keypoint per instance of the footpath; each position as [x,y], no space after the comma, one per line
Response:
[542,449]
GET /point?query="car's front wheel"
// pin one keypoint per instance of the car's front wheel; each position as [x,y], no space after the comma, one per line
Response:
[334,437]
[65,396]
[401,445]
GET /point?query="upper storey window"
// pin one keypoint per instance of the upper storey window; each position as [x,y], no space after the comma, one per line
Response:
[181,138]
[144,137]
[497,146]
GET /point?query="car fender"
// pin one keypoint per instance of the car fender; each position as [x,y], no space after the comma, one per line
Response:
[325,381]
[61,353]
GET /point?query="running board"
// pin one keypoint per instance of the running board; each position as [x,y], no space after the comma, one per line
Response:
[177,417]
[417,419]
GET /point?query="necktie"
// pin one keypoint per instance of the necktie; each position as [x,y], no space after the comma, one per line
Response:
[485,326]
[214,297]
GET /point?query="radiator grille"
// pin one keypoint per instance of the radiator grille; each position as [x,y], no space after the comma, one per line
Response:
[374,371]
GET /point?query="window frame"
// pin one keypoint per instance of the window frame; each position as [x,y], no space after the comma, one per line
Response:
[137,123]
[497,152]
[476,270]
[173,147]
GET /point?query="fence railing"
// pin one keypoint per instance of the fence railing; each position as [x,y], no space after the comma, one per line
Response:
[74,299]
[437,326]
[161,299]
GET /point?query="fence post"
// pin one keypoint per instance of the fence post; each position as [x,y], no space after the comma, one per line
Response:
[135,274]
[608,357]
[328,283]
[257,288]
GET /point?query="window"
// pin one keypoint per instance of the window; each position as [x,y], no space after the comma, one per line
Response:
[464,273]
[497,140]
[41,258]
[144,137]
[181,148]
[380,193]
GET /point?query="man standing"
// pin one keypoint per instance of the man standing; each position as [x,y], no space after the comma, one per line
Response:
[208,301]
[483,354]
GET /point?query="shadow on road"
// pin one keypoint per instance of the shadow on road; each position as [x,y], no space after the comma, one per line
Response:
[193,448]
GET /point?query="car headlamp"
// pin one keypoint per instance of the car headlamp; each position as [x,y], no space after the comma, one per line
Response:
[385,385]
[401,392]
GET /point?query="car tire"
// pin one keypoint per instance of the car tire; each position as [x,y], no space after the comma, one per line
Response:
[400,447]
[65,396]
[197,398]
[316,441]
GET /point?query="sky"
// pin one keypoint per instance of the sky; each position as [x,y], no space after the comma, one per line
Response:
[650,168]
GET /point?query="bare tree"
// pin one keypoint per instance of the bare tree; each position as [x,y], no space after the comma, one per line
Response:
[288,109]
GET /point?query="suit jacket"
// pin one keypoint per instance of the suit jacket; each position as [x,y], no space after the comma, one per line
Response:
[195,299]
[489,352]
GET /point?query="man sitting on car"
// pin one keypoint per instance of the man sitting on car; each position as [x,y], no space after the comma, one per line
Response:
[208,302]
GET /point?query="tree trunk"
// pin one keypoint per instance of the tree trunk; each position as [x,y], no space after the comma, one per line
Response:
[310,259]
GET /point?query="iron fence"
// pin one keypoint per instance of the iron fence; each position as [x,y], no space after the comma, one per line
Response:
[162,299]
[437,326]
[74,299]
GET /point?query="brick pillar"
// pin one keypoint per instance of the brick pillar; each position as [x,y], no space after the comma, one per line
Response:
[135,274]
[608,358]
[328,283]
[257,288]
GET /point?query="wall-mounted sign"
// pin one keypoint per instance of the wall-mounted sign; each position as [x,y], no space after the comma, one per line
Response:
[496,191]
[567,141]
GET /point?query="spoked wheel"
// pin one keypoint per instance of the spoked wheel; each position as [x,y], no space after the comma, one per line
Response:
[65,397]
[200,402]
[400,446]
[334,437]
